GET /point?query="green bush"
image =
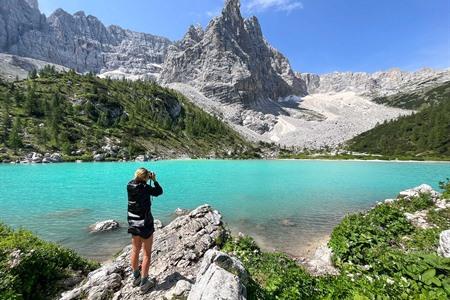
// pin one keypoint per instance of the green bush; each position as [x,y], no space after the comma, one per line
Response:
[40,266]
[379,254]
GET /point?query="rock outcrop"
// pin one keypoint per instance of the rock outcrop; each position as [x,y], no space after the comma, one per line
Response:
[320,263]
[106,225]
[182,259]
[420,190]
[444,244]
[78,41]
[220,277]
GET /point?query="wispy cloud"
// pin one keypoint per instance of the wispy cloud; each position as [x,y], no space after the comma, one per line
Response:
[280,5]
[214,12]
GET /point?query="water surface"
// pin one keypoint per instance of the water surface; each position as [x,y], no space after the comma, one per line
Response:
[285,204]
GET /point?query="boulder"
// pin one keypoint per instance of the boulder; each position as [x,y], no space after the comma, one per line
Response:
[419,219]
[441,204]
[106,225]
[181,211]
[417,191]
[37,157]
[444,243]
[99,157]
[158,224]
[220,277]
[321,263]
[46,160]
[178,251]
[56,157]
[141,158]
[181,290]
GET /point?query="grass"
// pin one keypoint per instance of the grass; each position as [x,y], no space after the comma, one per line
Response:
[379,254]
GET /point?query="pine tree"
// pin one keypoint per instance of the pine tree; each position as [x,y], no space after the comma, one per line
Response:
[6,124]
[14,140]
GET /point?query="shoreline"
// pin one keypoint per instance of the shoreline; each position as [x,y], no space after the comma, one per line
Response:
[236,159]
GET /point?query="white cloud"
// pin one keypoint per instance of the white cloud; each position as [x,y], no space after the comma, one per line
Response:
[214,12]
[280,5]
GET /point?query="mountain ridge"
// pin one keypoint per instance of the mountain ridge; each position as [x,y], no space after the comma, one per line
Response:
[78,41]
[228,69]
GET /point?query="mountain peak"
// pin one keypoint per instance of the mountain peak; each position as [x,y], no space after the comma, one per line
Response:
[33,3]
[232,9]
[80,14]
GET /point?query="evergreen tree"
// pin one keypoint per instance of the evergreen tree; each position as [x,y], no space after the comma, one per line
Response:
[14,140]
[6,124]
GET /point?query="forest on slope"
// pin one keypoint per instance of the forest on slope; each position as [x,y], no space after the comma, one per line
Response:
[80,115]
[424,134]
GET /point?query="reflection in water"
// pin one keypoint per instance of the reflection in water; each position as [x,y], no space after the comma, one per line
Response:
[291,210]
[68,213]
[297,236]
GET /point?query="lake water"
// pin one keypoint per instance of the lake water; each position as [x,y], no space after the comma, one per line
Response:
[286,205]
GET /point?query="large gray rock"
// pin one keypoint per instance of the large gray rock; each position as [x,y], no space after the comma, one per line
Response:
[444,243]
[220,277]
[106,225]
[419,190]
[177,254]
[320,263]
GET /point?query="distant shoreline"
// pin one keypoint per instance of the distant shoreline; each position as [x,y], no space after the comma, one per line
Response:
[371,160]
[230,159]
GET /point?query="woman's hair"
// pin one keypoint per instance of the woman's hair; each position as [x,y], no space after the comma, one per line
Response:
[141,174]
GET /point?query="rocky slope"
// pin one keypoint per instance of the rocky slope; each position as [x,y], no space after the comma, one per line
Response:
[184,263]
[78,41]
[17,67]
[374,84]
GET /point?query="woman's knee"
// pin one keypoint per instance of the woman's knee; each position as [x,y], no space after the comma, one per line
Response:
[136,244]
[148,243]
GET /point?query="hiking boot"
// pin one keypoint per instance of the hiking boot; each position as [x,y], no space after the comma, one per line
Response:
[147,283]
[136,278]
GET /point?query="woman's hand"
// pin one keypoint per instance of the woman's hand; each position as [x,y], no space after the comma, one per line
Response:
[152,176]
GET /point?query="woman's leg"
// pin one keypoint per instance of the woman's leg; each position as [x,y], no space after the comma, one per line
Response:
[148,243]
[136,245]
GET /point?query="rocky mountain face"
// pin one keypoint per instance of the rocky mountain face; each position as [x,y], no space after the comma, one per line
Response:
[230,61]
[374,84]
[78,41]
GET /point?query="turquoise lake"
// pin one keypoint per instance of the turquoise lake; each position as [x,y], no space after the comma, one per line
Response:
[286,205]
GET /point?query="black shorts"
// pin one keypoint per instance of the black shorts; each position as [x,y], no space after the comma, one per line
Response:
[144,232]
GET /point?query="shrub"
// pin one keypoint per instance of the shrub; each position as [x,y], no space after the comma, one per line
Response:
[41,265]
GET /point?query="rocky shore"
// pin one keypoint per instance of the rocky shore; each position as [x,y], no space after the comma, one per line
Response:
[186,263]
[195,257]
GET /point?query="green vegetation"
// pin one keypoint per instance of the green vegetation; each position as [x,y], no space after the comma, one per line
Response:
[379,255]
[417,100]
[75,114]
[38,266]
[425,134]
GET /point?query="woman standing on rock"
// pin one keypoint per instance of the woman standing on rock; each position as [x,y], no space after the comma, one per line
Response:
[140,221]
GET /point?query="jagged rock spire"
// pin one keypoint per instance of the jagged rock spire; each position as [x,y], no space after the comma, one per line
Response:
[232,62]
[33,3]
[232,8]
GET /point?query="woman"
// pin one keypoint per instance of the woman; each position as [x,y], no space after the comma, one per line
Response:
[140,221]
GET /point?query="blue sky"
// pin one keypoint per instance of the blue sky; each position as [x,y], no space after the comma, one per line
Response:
[317,36]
